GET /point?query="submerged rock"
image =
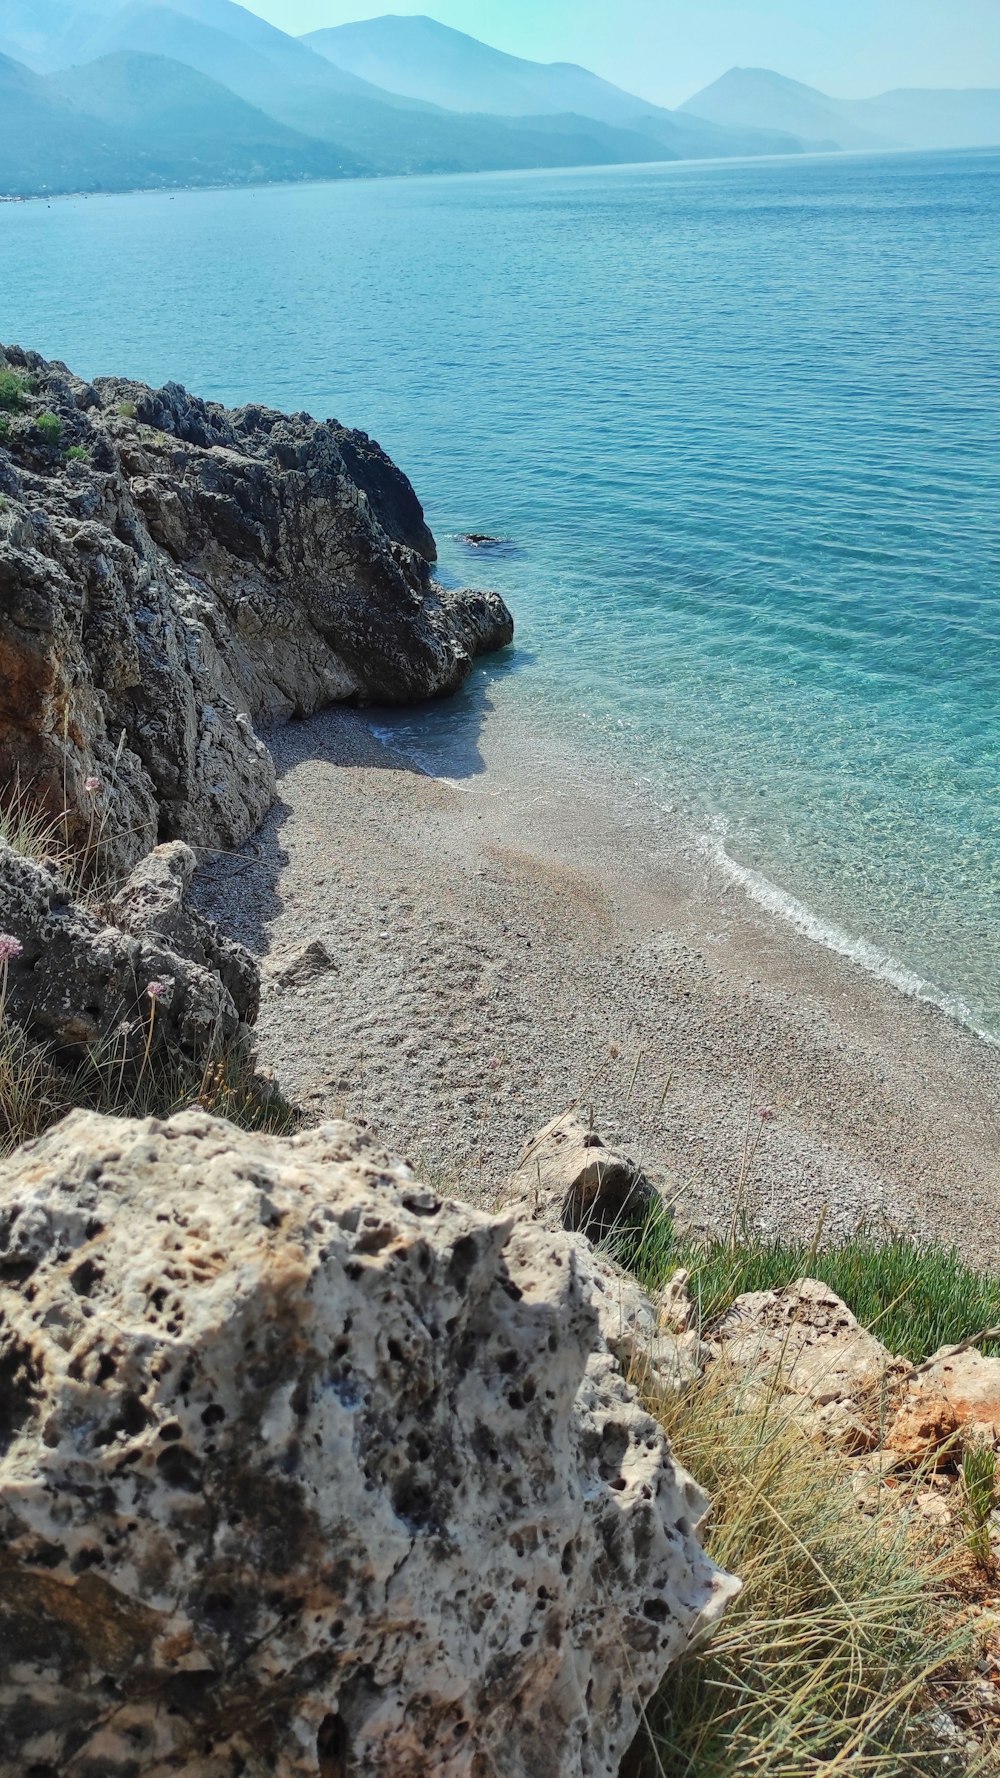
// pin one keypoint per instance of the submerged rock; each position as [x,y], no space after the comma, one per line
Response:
[304,1471]
[171,571]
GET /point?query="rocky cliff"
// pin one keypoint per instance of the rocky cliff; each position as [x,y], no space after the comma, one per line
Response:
[170,572]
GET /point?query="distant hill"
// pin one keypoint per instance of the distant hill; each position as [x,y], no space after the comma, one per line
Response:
[932,117]
[46,143]
[422,59]
[419,59]
[910,118]
[97,94]
[133,121]
[177,126]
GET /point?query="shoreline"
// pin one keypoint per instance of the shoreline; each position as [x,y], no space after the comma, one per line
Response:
[526,937]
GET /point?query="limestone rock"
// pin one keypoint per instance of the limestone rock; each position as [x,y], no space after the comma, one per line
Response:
[200,569]
[304,1471]
[302,966]
[970,1384]
[804,1342]
[567,1177]
[923,1428]
[81,984]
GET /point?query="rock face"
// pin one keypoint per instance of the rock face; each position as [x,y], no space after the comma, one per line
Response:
[803,1343]
[80,983]
[184,572]
[304,1471]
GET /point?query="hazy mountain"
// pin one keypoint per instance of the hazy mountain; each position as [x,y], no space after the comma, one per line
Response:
[909,118]
[44,34]
[748,98]
[418,58]
[225,42]
[421,59]
[307,93]
[184,128]
[131,121]
[46,144]
[932,117]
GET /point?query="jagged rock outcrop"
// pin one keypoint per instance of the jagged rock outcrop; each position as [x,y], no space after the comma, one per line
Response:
[82,984]
[304,1471]
[803,1344]
[170,572]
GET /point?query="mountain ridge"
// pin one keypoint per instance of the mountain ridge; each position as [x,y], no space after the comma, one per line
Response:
[905,117]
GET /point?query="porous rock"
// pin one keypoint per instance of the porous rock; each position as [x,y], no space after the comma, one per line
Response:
[567,1177]
[80,983]
[923,1428]
[803,1343]
[190,570]
[306,1471]
[969,1383]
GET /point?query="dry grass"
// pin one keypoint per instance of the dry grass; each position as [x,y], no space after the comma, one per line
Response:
[37,1092]
[826,1662]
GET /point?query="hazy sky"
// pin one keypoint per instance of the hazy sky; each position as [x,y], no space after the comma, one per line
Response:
[667,49]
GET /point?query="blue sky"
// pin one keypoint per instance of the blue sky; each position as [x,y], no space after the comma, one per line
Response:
[667,49]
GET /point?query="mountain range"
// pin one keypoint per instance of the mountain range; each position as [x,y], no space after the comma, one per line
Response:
[97,95]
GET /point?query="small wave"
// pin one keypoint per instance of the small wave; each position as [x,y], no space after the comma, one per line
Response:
[862,951]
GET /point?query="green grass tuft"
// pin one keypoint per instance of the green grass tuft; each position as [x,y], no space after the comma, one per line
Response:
[50,426]
[914,1298]
[825,1664]
[15,390]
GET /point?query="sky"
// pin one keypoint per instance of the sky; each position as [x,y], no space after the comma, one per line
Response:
[668,49]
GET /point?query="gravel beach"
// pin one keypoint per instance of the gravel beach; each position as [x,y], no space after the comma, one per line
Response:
[503,946]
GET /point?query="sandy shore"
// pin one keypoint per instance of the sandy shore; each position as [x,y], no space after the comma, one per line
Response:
[525,939]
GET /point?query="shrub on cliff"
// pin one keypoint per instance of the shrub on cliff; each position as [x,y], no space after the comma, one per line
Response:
[14,390]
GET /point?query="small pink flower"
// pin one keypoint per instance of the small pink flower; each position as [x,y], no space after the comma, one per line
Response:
[10,947]
[92,784]
[128,1027]
[766,1114]
[158,990]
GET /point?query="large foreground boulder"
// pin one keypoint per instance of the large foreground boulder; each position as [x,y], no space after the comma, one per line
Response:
[304,1471]
[170,572]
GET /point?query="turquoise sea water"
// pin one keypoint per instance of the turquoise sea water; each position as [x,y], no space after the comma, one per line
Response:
[739,422]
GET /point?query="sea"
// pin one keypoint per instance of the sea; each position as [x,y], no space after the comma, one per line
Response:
[734,429]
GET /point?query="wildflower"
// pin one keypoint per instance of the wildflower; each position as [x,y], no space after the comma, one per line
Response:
[10,947]
[766,1114]
[92,784]
[159,990]
[128,1027]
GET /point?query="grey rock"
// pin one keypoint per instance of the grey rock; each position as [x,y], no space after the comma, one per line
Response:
[567,1178]
[304,1470]
[304,965]
[81,984]
[200,570]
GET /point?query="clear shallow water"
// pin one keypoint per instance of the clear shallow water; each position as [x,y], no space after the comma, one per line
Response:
[741,423]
